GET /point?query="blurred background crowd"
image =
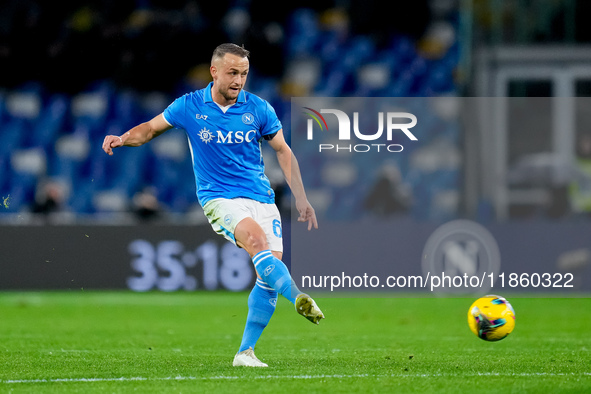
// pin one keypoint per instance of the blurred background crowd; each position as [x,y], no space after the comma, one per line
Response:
[155,44]
[72,72]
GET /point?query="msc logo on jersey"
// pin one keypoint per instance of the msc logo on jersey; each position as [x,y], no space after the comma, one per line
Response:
[205,135]
[247,118]
[235,137]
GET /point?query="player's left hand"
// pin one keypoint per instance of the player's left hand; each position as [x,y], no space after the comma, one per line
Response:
[307,214]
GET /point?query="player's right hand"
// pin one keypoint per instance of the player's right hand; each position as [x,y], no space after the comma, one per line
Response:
[111,142]
[307,214]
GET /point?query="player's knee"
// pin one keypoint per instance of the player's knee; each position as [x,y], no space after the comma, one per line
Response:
[251,237]
[256,243]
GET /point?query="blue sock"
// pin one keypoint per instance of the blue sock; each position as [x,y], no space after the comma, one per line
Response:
[275,274]
[261,305]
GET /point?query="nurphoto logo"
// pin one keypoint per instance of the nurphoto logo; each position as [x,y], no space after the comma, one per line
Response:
[391,119]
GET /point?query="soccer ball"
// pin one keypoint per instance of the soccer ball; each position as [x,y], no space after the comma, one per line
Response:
[491,318]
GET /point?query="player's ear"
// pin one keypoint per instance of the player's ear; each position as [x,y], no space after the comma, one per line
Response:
[213,71]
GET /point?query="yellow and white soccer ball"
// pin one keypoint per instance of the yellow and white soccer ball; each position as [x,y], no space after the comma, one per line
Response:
[491,318]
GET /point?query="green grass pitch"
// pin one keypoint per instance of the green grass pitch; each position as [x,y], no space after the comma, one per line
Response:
[119,342]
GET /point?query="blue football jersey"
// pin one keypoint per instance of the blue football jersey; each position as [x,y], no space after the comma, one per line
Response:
[226,146]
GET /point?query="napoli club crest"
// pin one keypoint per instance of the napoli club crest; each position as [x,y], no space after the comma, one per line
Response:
[228,219]
[248,118]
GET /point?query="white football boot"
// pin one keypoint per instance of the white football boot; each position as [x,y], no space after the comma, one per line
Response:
[246,358]
[306,307]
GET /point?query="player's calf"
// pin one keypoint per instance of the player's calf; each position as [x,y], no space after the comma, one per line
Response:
[274,273]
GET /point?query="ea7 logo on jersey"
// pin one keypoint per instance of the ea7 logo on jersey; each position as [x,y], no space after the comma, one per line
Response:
[236,137]
[199,116]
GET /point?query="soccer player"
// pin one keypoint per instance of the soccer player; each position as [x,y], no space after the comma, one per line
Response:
[225,126]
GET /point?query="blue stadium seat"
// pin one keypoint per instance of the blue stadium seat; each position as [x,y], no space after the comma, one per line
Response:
[51,120]
[126,109]
[333,85]
[2,107]
[81,199]
[14,133]
[302,33]
[402,85]
[332,47]
[174,182]
[404,48]
[127,170]
[21,193]
[264,87]
[92,107]
[5,178]
[65,167]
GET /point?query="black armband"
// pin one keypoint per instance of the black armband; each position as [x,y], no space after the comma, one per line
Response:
[269,137]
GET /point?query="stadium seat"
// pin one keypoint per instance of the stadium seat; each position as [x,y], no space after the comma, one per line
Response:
[302,32]
[403,47]
[109,201]
[81,200]
[51,121]
[24,104]
[21,193]
[152,104]
[372,78]
[333,85]
[14,132]
[402,85]
[2,105]
[126,109]
[71,152]
[29,162]
[91,108]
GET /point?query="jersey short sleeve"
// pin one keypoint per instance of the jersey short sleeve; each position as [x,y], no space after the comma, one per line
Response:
[271,124]
[175,112]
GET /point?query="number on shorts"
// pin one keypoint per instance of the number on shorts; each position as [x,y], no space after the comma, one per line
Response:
[277,228]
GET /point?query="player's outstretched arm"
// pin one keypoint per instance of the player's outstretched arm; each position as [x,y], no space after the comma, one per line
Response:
[291,170]
[138,135]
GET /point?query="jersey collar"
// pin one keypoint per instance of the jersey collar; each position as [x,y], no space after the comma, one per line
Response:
[207,95]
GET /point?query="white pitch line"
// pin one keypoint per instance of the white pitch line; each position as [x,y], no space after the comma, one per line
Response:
[335,376]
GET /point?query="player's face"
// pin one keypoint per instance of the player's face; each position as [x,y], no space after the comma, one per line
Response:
[229,76]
